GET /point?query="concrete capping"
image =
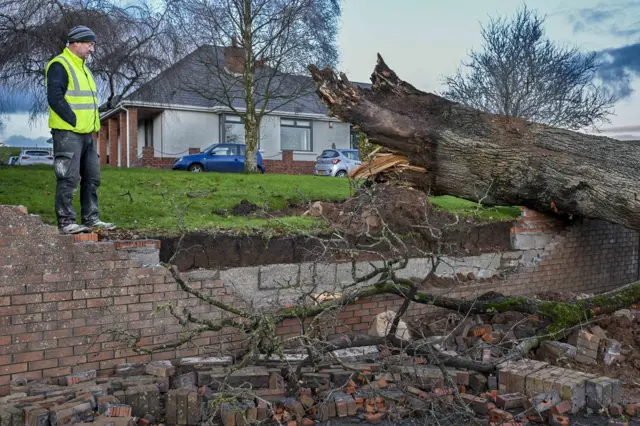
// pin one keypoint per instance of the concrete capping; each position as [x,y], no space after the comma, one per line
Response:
[127,244]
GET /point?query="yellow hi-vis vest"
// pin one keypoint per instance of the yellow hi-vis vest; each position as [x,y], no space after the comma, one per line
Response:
[81,95]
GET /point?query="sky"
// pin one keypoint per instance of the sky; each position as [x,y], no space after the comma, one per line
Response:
[425,40]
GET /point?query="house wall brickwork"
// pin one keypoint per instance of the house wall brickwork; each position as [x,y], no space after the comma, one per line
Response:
[150,160]
[102,145]
[57,295]
[112,126]
[289,166]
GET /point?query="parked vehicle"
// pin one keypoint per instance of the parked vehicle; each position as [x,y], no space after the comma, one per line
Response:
[30,157]
[336,162]
[220,157]
[13,161]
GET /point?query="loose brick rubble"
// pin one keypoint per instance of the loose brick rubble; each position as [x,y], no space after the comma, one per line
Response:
[194,391]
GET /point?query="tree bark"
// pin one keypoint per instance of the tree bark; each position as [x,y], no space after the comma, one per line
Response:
[489,158]
[251,119]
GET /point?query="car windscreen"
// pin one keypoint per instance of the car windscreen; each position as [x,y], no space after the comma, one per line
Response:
[37,153]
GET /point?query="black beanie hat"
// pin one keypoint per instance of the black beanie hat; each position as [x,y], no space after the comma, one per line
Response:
[81,33]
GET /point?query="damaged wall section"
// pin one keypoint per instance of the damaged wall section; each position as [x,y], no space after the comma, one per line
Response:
[57,296]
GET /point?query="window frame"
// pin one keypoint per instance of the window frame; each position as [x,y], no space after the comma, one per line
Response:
[148,132]
[230,118]
[235,119]
[295,125]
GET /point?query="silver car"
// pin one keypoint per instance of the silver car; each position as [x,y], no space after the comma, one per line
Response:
[336,162]
[35,156]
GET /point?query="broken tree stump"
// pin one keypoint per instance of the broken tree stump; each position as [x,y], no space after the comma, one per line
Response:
[489,158]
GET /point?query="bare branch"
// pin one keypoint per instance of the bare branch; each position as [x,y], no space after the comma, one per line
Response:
[520,73]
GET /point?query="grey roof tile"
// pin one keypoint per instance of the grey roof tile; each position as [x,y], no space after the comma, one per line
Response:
[190,82]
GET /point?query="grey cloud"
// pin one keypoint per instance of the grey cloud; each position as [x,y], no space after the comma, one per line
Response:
[12,101]
[620,65]
[620,19]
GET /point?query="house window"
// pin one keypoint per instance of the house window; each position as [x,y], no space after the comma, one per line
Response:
[355,140]
[148,132]
[233,129]
[295,135]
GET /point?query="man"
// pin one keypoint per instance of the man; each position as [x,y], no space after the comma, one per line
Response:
[73,117]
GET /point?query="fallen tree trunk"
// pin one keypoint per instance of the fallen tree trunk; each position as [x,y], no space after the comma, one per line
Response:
[488,158]
[562,315]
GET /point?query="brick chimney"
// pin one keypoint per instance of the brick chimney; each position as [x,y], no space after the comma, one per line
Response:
[234,57]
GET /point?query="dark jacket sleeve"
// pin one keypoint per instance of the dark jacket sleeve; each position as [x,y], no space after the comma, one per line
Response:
[57,82]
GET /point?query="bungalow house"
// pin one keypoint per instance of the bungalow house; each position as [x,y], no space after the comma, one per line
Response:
[180,112]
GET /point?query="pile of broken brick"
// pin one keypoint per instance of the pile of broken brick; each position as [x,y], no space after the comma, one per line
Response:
[490,337]
[364,384]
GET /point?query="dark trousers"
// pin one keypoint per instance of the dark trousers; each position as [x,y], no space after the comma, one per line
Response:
[75,161]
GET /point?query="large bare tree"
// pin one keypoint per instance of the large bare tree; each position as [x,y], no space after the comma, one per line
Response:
[134,43]
[521,73]
[252,54]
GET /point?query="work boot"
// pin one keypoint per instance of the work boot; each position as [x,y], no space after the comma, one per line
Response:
[102,225]
[73,228]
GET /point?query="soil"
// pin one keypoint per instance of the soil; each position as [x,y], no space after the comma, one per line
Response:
[244,208]
[404,210]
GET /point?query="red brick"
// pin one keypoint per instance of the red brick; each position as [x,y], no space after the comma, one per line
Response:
[28,356]
[40,365]
[98,303]
[6,359]
[42,307]
[85,331]
[26,299]
[616,410]
[13,310]
[56,372]
[57,316]
[29,375]
[125,300]
[100,356]
[86,294]
[26,319]
[14,368]
[72,304]
[27,337]
[57,334]
[58,353]
[72,360]
[633,409]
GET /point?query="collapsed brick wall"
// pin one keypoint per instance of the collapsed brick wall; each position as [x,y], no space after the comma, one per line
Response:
[57,295]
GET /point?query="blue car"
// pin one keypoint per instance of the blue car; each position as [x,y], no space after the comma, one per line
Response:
[220,157]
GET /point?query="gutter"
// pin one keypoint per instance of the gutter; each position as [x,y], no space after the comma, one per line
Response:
[215,109]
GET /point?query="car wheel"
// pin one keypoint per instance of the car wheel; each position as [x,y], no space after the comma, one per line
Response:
[341,173]
[196,168]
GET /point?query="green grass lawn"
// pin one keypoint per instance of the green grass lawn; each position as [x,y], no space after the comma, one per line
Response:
[160,198]
[470,208]
[157,201]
